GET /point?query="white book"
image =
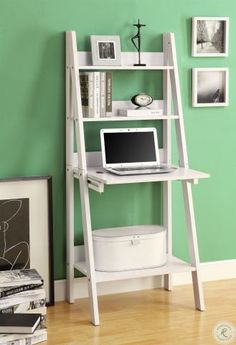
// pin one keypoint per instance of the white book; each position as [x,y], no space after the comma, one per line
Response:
[17,342]
[31,297]
[96,85]
[12,278]
[16,338]
[38,338]
[39,310]
[103,94]
[37,293]
[140,112]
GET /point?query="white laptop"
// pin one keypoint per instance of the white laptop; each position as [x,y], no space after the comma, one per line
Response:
[131,151]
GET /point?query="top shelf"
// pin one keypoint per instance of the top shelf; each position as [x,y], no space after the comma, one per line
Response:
[126,68]
[153,61]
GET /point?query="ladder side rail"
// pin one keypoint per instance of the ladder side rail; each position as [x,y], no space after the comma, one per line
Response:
[193,245]
[69,183]
[167,96]
[84,192]
[186,186]
[76,103]
[89,254]
[177,104]
[167,142]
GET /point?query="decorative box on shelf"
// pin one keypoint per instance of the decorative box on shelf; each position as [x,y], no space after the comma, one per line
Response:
[129,248]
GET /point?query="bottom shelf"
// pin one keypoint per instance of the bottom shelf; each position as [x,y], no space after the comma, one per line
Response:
[174,265]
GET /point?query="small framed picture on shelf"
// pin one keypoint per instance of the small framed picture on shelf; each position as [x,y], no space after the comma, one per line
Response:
[210,36]
[106,50]
[209,87]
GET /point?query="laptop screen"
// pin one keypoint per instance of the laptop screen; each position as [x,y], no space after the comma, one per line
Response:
[127,146]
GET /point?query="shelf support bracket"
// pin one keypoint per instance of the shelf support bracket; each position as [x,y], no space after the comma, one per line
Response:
[96,185]
[193,181]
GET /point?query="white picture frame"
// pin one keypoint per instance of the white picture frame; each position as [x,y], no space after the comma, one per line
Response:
[210,87]
[26,231]
[210,36]
[105,50]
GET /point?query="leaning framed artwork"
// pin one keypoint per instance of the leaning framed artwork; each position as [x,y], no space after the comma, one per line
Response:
[26,231]
[210,36]
[209,87]
[105,50]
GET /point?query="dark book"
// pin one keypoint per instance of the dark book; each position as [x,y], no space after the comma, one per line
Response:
[12,290]
[108,92]
[19,323]
[87,93]
[84,80]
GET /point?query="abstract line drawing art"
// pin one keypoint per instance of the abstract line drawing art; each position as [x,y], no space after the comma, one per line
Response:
[14,234]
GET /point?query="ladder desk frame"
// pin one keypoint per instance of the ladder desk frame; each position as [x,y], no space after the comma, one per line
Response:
[88,178]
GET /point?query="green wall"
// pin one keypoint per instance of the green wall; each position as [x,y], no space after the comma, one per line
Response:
[32,112]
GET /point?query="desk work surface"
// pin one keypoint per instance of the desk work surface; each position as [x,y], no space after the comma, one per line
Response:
[180,174]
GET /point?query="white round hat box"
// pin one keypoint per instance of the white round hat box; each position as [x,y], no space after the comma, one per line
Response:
[129,248]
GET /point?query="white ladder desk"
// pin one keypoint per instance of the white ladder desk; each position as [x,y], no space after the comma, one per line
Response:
[82,166]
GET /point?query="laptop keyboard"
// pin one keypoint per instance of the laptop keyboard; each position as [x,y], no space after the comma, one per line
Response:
[141,170]
[138,169]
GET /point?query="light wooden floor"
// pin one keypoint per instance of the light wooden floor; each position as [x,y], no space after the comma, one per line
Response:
[150,317]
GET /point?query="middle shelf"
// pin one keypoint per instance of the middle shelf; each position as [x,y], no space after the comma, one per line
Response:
[130,118]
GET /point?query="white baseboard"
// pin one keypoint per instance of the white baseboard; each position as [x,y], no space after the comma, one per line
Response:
[210,271]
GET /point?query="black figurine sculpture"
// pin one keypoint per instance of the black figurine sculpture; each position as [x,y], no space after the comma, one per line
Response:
[138,43]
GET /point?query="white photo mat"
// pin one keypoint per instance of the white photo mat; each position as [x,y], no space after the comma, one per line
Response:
[210,87]
[210,36]
[105,50]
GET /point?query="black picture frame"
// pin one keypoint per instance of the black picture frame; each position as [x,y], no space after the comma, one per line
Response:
[26,205]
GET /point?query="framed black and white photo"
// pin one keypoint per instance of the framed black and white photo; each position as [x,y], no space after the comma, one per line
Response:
[209,87]
[26,231]
[210,36]
[106,50]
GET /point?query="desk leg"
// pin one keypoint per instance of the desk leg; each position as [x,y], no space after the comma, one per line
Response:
[193,245]
[167,222]
[70,234]
[89,256]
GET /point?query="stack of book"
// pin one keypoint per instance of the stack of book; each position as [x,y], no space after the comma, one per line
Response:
[96,93]
[22,307]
